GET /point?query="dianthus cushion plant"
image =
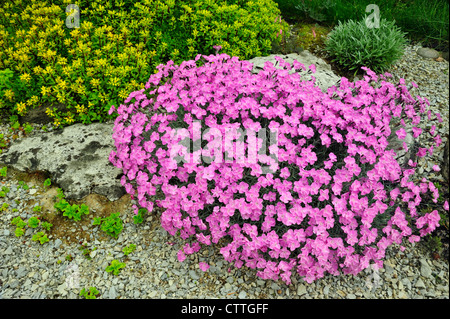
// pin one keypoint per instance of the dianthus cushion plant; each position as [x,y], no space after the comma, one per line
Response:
[327,197]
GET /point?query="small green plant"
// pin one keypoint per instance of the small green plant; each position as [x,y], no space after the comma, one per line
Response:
[129,249]
[41,237]
[60,194]
[115,267]
[4,206]
[46,226]
[33,222]
[27,128]
[2,141]
[23,185]
[18,222]
[86,251]
[89,294]
[15,126]
[112,224]
[37,209]
[3,171]
[47,183]
[69,257]
[4,191]
[19,232]
[139,218]
[74,211]
[354,44]
[20,225]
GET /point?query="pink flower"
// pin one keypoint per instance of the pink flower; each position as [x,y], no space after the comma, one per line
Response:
[203,266]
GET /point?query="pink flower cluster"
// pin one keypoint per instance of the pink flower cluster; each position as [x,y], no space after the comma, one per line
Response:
[325,209]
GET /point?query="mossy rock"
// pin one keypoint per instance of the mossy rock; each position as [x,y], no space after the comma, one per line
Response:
[311,36]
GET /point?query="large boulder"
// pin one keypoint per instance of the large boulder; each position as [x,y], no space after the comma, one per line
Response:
[325,77]
[76,158]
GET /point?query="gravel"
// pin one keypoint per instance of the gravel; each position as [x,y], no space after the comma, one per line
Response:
[29,269]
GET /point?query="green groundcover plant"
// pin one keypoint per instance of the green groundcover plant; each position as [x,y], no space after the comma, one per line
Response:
[325,196]
[116,48]
[356,44]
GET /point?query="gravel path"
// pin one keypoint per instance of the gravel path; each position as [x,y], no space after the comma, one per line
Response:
[31,270]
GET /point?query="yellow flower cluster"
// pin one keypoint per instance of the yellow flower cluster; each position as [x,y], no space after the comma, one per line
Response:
[115,50]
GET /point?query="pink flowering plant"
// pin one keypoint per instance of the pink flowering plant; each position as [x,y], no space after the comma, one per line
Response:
[316,192]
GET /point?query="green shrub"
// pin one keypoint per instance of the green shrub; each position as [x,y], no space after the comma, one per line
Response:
[353,44]
[116,48]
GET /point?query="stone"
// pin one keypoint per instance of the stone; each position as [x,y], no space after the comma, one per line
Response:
[37,115]
[444,167]
[301,290]
[325,77]
[242,295]
[420,283]
[425,269]
[76,158]
[445,55]
[428,53]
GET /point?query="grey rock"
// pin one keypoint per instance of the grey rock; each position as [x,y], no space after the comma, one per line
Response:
[425,269]
[112,293]
[420,283]
[325,78]
[301,290]
[445,55]
[193,275]
[428,53]
[57,243]
[242,295]
[79,150]
[22,271]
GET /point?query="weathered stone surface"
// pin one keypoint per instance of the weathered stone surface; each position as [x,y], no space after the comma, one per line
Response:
[428,53]
[75,157]
[325,77]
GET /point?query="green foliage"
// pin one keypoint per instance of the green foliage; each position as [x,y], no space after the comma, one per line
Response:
[353,45]
[33,222]
[129,249]
[47,183]
[19,232]
[89,294]
[74,211]
[139,218]
[116,48]
[112,224]
[37,209]
[115,267]
[4,207]
[18,222]
[3,171]
[424,20]
[46,226]
[23,185]
[41,237]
